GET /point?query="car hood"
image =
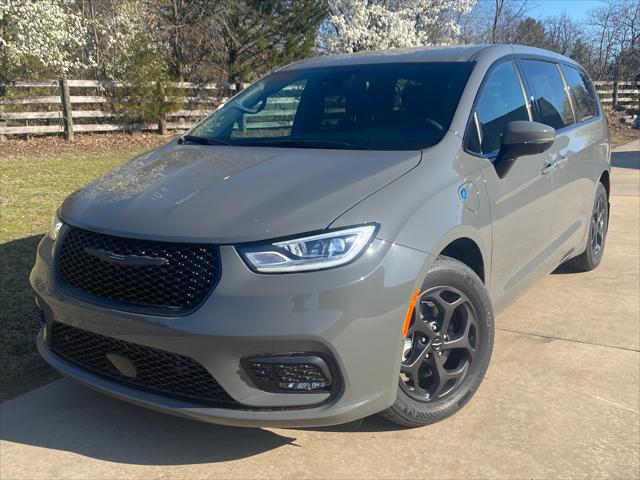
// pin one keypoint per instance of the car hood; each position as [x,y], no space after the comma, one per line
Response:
[232,194]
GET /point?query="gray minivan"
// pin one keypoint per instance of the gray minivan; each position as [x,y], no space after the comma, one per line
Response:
[333,242]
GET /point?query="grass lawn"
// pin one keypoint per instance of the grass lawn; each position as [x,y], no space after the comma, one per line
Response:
[35,177]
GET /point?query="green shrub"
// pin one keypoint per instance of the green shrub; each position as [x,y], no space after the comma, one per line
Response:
[146,94]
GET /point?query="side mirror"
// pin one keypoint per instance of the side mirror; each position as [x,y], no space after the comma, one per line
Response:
[521,138]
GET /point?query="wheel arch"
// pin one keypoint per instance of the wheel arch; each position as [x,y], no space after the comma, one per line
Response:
[604,180]
[467,251]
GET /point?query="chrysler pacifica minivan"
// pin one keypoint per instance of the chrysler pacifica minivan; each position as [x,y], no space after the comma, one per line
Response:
[334,242]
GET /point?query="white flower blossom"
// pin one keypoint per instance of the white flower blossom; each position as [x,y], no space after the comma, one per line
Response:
[120,29]
[357,25]
[41,35]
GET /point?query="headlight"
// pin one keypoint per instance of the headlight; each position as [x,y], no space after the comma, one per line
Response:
[314,252]
[56,225]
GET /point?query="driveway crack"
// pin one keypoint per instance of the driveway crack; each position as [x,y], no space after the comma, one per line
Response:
[568,339]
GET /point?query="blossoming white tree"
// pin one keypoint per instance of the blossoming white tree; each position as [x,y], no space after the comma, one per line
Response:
[116,30]
[49,38]
[356,25]
[40,35]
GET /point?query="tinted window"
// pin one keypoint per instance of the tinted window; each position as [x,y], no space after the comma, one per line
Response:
[584,99]
[403,106]
[501,101]
[549,94]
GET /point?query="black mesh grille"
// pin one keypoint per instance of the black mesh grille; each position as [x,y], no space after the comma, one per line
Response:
[284,373]
[295,373]
[142,273]
[157,371]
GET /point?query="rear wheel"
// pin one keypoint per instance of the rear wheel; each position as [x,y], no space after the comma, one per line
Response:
[447,347]
[598,225]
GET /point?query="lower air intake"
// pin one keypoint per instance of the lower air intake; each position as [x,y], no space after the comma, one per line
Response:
[290,374]
[138,366]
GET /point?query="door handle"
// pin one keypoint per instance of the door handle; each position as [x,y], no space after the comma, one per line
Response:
[554,164]
[549,167]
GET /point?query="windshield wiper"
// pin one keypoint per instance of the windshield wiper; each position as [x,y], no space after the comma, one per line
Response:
[200,140]
[310,143]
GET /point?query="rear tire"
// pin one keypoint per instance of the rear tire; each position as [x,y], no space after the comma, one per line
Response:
[598,225]
[447,348]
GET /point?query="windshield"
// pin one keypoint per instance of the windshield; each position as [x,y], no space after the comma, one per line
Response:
[404,106]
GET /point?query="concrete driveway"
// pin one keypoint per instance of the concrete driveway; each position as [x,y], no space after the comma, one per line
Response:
[561,399]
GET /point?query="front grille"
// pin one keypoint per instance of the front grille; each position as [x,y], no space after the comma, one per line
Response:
[156,371]
[138,273]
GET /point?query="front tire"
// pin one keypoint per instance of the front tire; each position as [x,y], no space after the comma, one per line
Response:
[447,348]
[598,226]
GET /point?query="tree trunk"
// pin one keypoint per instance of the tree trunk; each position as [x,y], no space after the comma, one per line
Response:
[496,17]
[162,126]
[95,32]
[232,76]
[178,7]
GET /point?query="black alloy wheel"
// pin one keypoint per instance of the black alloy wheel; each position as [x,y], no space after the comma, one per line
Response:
[592,255]
[440,345]
[447,347]
[598,226]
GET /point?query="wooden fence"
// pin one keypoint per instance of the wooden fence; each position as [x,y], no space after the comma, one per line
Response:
[68,106]
[625,94]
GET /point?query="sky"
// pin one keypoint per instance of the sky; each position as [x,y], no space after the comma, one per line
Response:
[576,9]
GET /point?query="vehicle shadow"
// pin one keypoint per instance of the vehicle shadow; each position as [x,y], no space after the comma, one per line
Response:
[69,417]
[626,159]
[372,424]
[16,261]
[565,270]
[22,368]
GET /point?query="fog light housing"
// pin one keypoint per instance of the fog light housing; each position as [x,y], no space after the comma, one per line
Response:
[290,373]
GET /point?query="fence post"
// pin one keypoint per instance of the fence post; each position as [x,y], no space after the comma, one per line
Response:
[3,123]
[637,79]
[66,109]
[162,123]
[162,126]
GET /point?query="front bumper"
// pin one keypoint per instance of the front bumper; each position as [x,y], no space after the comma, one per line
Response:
[352,314]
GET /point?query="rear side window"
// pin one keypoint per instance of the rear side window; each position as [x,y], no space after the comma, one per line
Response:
[584,99]
[549,94]
[501,101]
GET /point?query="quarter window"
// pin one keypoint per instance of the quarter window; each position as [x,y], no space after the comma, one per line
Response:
[549,93]
[501,101]
[584,99]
